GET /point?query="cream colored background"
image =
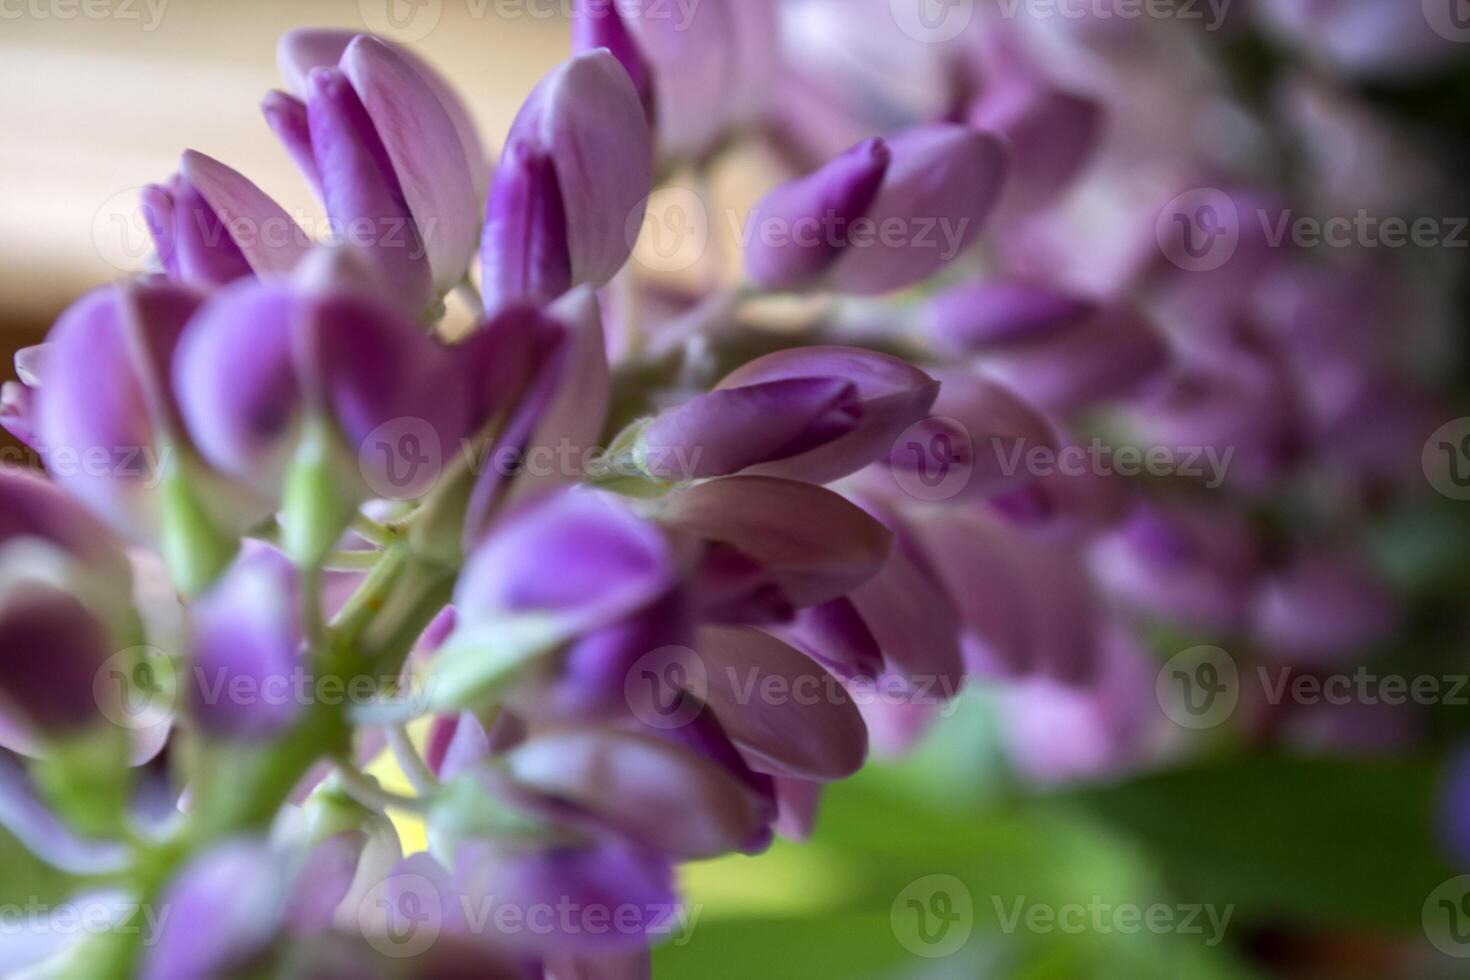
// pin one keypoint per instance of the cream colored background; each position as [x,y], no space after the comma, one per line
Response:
[94,103]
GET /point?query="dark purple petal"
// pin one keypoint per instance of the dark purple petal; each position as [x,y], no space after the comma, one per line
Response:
[982,317]
[524,250]
[812,217]
[730,429]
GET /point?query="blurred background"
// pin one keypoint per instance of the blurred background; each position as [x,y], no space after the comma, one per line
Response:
[949,864]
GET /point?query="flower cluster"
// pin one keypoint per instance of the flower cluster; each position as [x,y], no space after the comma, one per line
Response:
[623,569]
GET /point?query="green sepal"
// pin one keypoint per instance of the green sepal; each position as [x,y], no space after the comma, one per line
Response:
[317,505]
[195,549]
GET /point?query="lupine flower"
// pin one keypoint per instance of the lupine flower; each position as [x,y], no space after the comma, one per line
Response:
[211,226]
[936,186]
[574,180]
[888,395]
[1323,605]
[393,154]
[702,72]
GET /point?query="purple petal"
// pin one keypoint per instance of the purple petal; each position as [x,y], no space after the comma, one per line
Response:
[1321,607]
[287,117]
[834,635]
[980,317]
[814,545]
[270,242]
[656,792]
[1051,135]
[598,24]
[364,199]
[579,554]
[55,646]
[788,715]
[226,908]
[636,965]
[524,249]
[1105,357]
[730,429]
[587,116]
[426,151]
[812,216]
[629,887]
[892,393]
[105,401]
[939,189]
[246,641]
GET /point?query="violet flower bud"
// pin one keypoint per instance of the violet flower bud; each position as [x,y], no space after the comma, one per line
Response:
[731,429]
[975,318]
[941,186]
[1103,357]
[1189,566]
[702,72]
[246,634]
[576,180]
[262,361]
[1051,134]
[819,735]
[396,159]
[891,395]
[810,543]
[642,786]
[18,398]
[211,226]
[811,213]
[1321,607]
[112,433]
[574,571]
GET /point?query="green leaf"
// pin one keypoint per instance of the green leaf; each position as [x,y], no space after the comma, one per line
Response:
[1322,842]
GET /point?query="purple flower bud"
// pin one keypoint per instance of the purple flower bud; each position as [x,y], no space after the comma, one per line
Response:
[1103,357]
[211,226]
[1038,615]
[55,647]
[980,432]
[106,414]
[710,67]
[579,153]
[18,398]
[1190,566]
[811,213]
[645,787]
[1051,134]
[260,358]
[395,157]
[1321,607]
[525,244]
[247,636]
[227,907]
[891,396]
[835,636]
[580,556]
[936,194]
[731,429]
[811,543]
[814,733]
[303,49]
[602,877]
[994,315]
